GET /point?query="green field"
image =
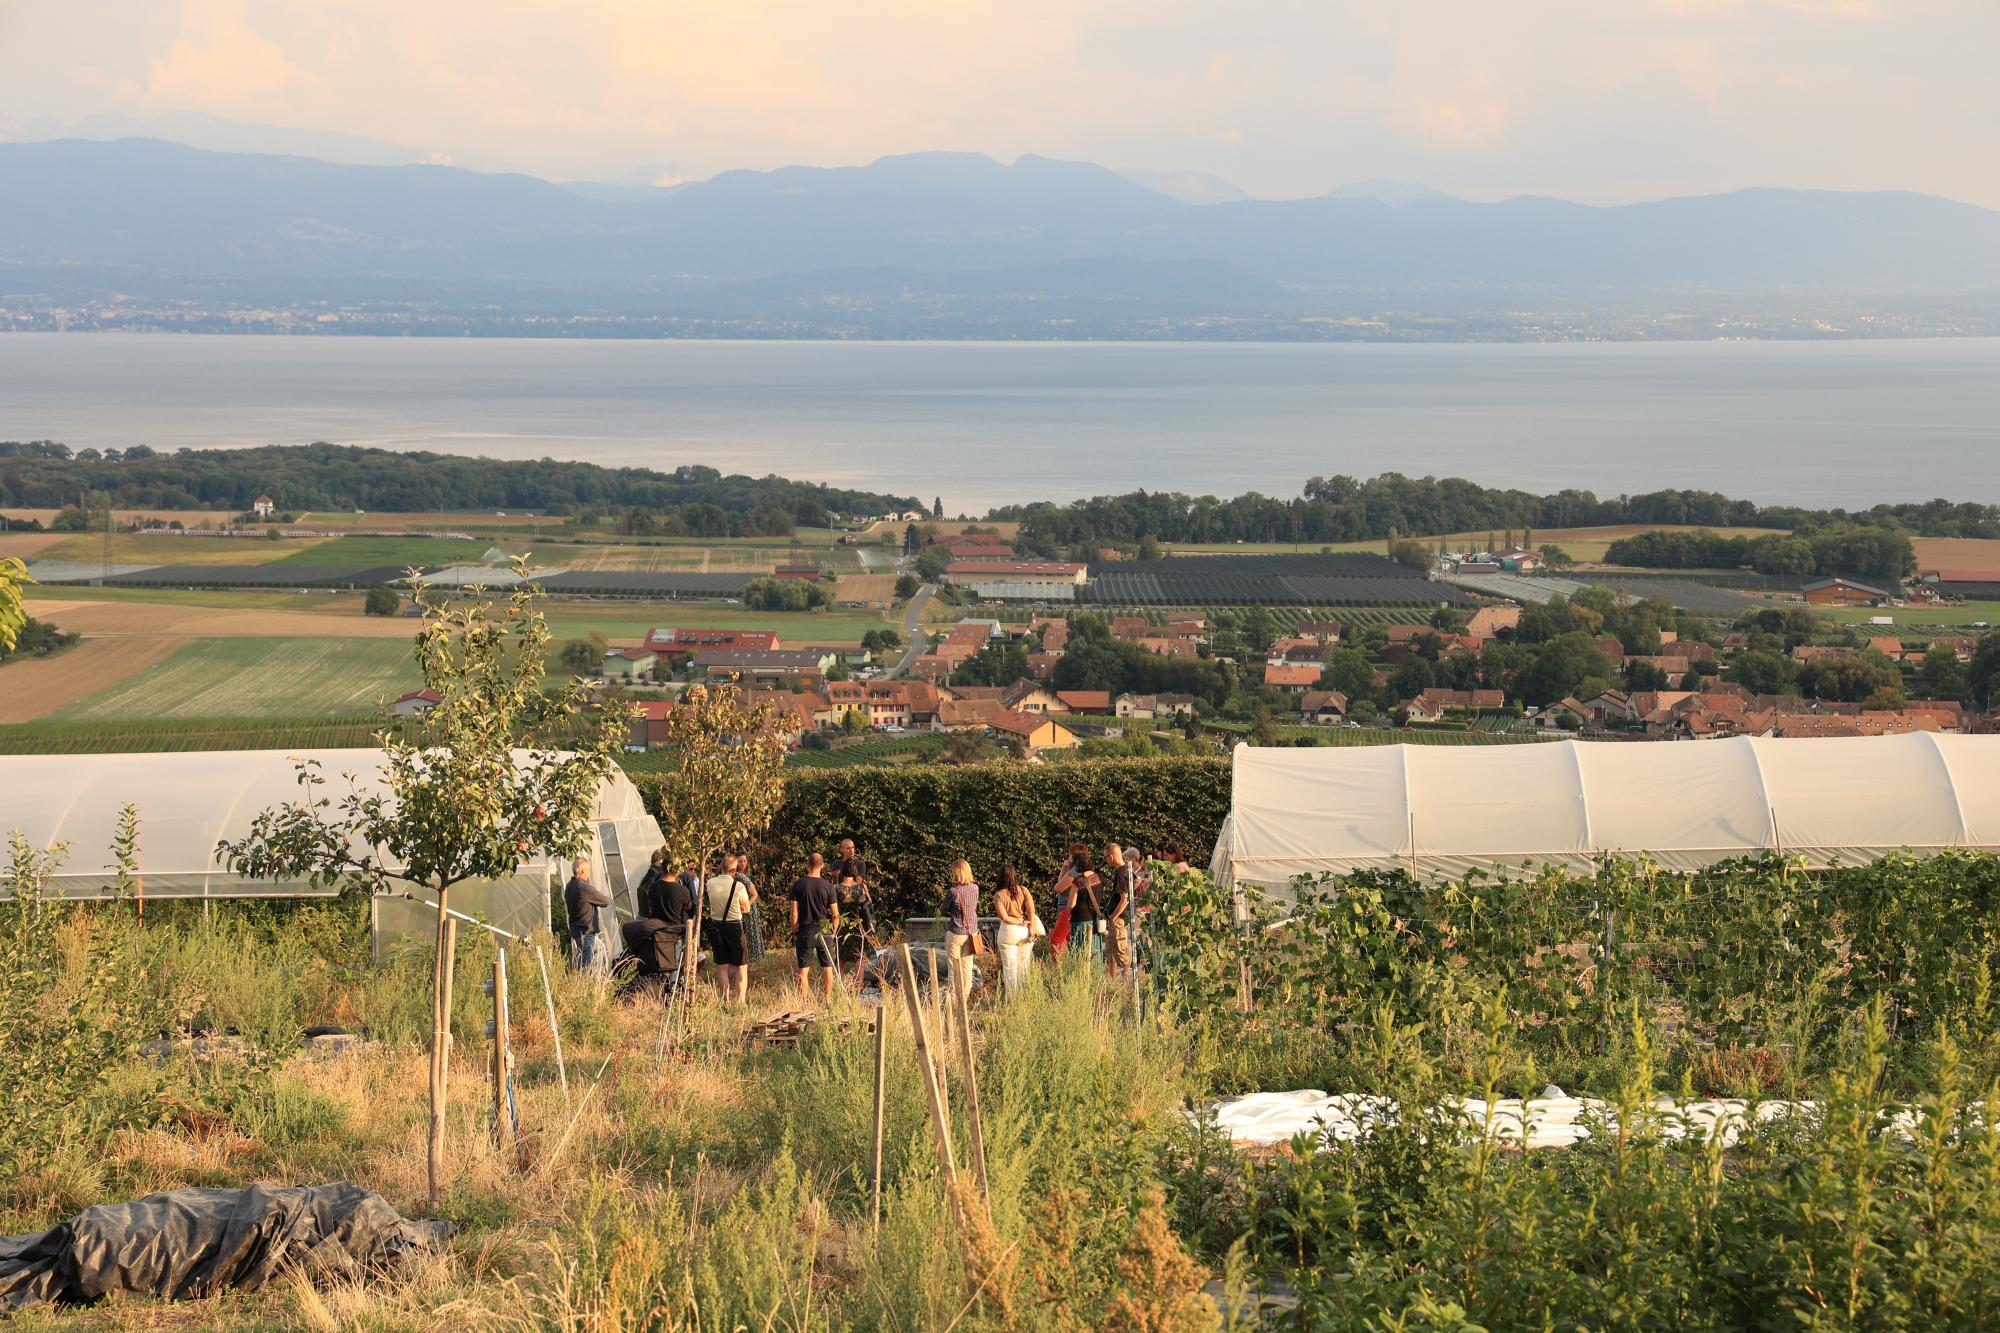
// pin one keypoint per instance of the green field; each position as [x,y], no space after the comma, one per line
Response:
[1930,617]
[400,552]
[259,678]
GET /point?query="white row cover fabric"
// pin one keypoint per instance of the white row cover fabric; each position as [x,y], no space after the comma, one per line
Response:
[1446,810]
[189,802]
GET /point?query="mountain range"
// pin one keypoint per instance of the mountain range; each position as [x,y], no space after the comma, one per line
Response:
[143,215]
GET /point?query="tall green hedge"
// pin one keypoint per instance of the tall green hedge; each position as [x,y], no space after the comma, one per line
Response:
[911,823]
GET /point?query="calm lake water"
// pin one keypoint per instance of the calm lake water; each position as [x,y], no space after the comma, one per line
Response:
[1848,423]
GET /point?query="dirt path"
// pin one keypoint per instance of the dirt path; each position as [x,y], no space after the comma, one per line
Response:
[36,687]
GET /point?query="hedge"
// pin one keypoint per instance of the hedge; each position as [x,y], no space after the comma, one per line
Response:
[911,823]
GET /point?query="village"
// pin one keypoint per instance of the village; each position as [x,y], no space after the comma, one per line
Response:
[1589,665]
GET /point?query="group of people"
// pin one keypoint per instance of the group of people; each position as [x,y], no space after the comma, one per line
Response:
[1096,903]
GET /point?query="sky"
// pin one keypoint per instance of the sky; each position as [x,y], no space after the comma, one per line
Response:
[1603,101]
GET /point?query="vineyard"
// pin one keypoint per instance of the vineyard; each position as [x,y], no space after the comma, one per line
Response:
[159,737]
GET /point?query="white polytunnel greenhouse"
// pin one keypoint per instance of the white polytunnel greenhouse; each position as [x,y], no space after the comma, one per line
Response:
[1442,811]
[189,802]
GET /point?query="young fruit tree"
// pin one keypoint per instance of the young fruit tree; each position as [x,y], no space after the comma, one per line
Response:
[727,777]
[498,772]
[12,618]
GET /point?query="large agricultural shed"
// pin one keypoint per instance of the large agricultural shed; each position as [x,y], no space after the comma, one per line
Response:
[1444,812]
[189,802]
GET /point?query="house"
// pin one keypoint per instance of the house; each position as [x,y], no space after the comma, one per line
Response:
[416,703]
[1055,636]
[934,666]
[1519,560]
[1487,622]
[1130,627]
[968,714]
[1043,665]
[628,664]
[678,644]
[1326,708]
[1888,645]
[796,573]
[1031,696]
[648,729]
[1325,631]
[1030,732]
[1611,704]
[1152,705]
[1436,702]
[1843,592]
[791,714]
[1017,580]
[806,665]
[1173,647]
[1565,714]
[1294,679]
[263,506]
[1296,652]
[1096,702]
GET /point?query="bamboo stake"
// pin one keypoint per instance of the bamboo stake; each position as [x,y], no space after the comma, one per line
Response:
[555,1029]
[935,1004]
[971,1086]
[881,1065]
[503,1119]
[927,1067]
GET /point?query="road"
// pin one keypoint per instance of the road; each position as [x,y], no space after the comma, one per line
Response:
[913,636]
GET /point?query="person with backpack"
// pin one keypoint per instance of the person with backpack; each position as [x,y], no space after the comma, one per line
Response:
[815,909]
[850,877]
[1076,895]
[726,899]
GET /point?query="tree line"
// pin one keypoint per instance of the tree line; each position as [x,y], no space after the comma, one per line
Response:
[1343,509]
[1844,548]
[45,474]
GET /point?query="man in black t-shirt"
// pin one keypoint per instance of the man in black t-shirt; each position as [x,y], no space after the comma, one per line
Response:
[815,906]
[853,883]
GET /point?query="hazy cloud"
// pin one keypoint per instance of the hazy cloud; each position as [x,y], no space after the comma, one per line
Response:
[1601,100]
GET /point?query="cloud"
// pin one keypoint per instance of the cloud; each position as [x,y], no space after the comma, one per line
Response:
[1615,100]
[222,64]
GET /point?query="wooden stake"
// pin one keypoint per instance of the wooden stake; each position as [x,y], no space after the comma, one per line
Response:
[927,1068]
[881,1065]
[971,1084]
[447,944]
[935,1003]
[503,1119]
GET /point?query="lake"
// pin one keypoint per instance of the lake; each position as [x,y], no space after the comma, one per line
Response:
[1823,423]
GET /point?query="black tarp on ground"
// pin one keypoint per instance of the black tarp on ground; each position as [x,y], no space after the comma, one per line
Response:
[188,1244]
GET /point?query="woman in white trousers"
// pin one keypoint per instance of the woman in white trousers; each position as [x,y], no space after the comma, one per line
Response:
[1014,938]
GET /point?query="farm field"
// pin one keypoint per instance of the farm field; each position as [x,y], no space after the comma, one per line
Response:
[371,550]
[428,521]
[187,518]
[1979,553]
[258,677]
[28,545]
[103,618]
[34,687]
[1963,616]
[130,549]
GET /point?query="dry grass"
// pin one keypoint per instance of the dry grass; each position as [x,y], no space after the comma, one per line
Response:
[35,687]
[28,545]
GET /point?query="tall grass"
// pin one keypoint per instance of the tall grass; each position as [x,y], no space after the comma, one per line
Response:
[706,1182]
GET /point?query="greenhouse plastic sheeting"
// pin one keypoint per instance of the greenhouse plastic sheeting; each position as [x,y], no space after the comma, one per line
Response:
[192,1243]
[189,802]
[1447,810]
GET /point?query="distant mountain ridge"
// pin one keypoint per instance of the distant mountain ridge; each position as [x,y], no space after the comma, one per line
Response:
[148,210]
